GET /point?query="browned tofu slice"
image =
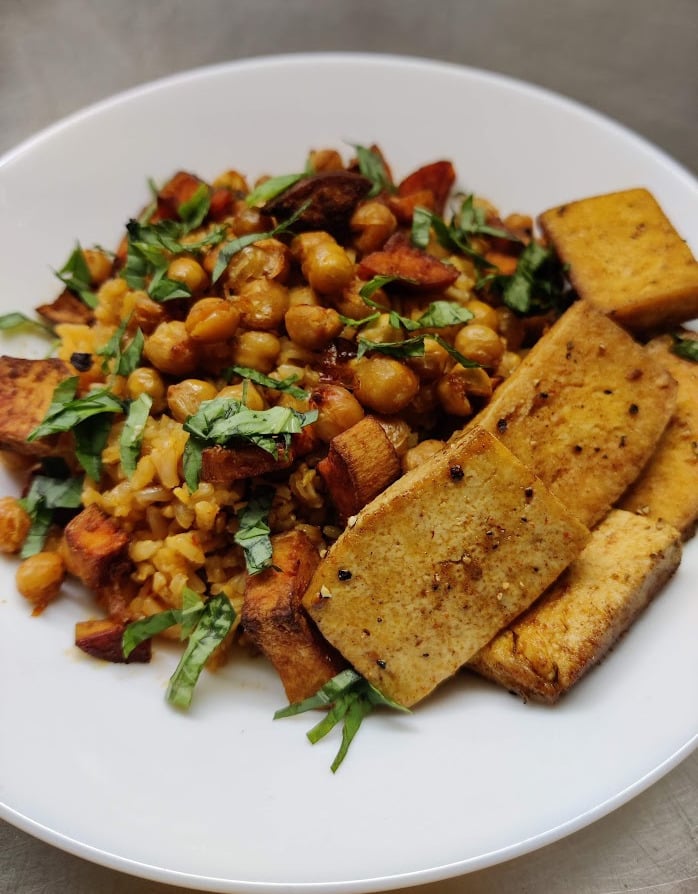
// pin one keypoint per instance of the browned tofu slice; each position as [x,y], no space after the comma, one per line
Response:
[274,619]
[626,258]
[584,410]
[668,485]
[438,563]
[573,625]
[96,548]
[26,391]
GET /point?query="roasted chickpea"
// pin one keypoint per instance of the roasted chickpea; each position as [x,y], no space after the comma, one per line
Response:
[483,313]
[372,224]
[510,327]
[384,384]
[14,525]
[257,350]
[212,319]
[302,295]
[145,380]
[171,350]
[39,578]
[480,343]
[146,314]
[351,304]
[245,392]
[312,327]
[99,264]
[233,180]
[417,456]
[432,363]
[398,431]
[263,303]
[508,364]
[322,160]
[267,258]
[189,272]
[452,392]
[337,408]
[325,264]
[184,398]
[381,331]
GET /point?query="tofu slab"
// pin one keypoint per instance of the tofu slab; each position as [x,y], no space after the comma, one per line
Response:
[584,410]
[668,485]
[626,258]
[573,625]
[26,391]
[438,563]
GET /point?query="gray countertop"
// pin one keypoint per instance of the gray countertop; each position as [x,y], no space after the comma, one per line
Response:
[632,59]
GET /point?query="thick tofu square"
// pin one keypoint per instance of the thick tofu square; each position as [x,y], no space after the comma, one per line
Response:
[438,563]
[584,410]
[573,625]
[626,258]
[668,485]
[26,392]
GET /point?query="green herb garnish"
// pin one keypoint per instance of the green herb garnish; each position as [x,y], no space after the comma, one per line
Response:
[373,168]
[349,697]
[450,236]
[75,276]
[188,616]
[536,285]
[272,188]
[45,495]
[287,384]
[193,212]
[126,359]
[132,433]
[254,532]
[17,320]
[685,347]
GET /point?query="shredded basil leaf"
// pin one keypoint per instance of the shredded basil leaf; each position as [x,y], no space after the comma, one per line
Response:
[66,411]
[470,221]
[91,438]
[287,384]
[372,167]
[450,236]
[44,496]
[132,433]
[127,359]
[75,276]
[685,347]
[254,532]
[350,698]
[368,290]
[536,285]
[411,347]
[187,616]
[215,623]
[272,188]
[193,212]
[17,320]
[440,314]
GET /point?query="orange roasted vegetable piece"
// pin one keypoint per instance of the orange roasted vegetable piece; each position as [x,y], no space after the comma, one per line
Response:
[327,200]
[96,548]
[102,639]
[401,259]
[173,194]
[437,177]
[276,622]
[67,308]
[26,392]
[361,463]
[223,465]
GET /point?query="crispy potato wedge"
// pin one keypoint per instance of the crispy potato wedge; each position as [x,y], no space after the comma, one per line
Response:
[274,619]
[26,391]
[573,625]
[626,258]
[96,548]
[668,485]
[439,562]
[584,410]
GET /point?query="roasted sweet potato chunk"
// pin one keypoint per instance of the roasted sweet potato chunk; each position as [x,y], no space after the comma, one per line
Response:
[331,197]
[175,193]
[67,308]
[26,391]
[102,639]
[438,178]
[96,548]
[276,622]
[223,465]
[400,258]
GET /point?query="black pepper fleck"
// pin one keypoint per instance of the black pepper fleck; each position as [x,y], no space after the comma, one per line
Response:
[456,472]
[528,493]
[82,362]
[578,448]
[633,409]
[381,664]
[502,425]
[344,574]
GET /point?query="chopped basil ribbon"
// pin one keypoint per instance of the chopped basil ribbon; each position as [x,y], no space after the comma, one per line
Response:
[470,221]
[235,245]
[536,285]
[349,697]
[254,532]
[132,432]
[438,315]
[45,495]
[193,212]
[129,358]
[87,417]
[411,347]
[685,347]
[450,236]
[16,320]
[75,276]
[204,624]
[373,168]
[272,188]
[287,384]
[221,420]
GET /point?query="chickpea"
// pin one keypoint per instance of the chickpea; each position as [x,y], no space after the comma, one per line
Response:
[146,314]
[480,343]
[99,264]
[212,319]
[302,295]
[372,223]
[452,392]
[337,408]
[384,384]
[257,350]
[433,362]
[417,456]
[145,380]
[268,258]
[263,303]
[184,398]
[245,392]
[248,220]
[171,350]
[325,264]
[39,578]
[232,180]
[508,364]
[311,326]
[381,331]
[14,525]
[483,313]
[351,304]
[189,272]
[398,431]
[510,327]
[322,160]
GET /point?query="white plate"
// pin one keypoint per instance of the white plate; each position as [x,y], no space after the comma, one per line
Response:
[93,760]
